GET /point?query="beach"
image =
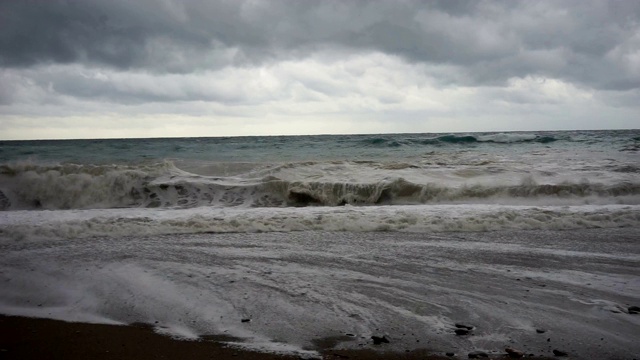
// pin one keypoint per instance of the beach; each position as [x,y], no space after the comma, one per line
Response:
[284,292]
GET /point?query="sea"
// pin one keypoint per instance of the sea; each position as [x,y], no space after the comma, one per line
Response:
[335,237]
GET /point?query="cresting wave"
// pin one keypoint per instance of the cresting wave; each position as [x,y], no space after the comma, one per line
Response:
[163,185]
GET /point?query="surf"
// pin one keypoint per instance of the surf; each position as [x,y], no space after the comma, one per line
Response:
[163,185]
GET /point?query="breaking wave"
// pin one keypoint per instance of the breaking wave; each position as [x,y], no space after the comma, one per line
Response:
[162,185]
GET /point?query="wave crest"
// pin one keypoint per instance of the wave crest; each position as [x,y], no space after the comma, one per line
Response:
[30,186]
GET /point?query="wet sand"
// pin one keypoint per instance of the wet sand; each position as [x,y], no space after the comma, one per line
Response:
[30,338]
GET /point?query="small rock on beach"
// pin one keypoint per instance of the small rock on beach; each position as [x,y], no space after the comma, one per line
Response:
[559,353]
[478,355]
[464,326]
[377,340]
[513,353]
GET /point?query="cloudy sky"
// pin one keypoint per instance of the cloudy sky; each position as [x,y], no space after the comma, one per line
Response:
[149,68]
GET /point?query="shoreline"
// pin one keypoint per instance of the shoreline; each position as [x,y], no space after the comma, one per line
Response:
[35,338]
[533,291]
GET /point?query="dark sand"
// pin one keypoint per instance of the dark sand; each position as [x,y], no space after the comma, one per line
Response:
[28,338]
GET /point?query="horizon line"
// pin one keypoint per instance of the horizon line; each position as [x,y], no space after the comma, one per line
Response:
[323,134]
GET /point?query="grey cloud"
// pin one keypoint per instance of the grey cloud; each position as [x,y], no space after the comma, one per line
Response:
[63,32]
[490,41]
[618,99]
[133,89]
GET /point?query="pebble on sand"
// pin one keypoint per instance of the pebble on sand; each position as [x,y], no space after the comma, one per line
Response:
[377,340]
[513,353]
[478,354]
[464,326]
[559,353]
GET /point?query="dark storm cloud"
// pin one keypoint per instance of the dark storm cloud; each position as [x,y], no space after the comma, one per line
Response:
[102,32]
[593,43]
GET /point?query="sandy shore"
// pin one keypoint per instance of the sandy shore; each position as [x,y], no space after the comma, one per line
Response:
[30,338]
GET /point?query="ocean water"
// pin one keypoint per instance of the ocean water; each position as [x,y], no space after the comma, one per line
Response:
[551,168]
[316,237]
[411,182]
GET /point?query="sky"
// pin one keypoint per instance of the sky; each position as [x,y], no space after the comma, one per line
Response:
[164,68]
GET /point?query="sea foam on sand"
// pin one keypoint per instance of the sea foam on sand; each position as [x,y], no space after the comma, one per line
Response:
[298,287]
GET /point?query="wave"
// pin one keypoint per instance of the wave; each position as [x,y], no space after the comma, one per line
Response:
[383,142]
[501,138]
[453,139]
[162,185]
[402,192]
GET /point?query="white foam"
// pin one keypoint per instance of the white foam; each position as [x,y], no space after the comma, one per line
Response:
[416,218]
[275,348]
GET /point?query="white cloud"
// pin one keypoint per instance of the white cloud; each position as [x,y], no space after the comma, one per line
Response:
[359,93]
